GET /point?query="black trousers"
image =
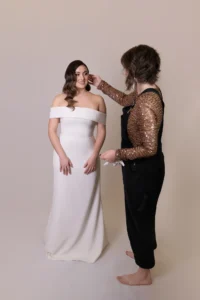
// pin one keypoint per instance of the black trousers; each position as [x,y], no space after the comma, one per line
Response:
[143,180]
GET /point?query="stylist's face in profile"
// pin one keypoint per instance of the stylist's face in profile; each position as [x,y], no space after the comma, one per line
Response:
[125,72]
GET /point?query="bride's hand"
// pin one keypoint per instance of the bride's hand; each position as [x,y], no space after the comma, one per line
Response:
[95,80]
[90,165]
[65,165]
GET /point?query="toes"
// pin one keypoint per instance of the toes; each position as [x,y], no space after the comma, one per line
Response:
[130,254]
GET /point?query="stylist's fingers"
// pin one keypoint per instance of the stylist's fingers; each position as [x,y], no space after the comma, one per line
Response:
[95,79]
[103,156]
[91,78]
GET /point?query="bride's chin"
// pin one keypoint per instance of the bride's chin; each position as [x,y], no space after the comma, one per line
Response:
[81,87]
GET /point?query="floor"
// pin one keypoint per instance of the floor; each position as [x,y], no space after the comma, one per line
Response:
[26,274]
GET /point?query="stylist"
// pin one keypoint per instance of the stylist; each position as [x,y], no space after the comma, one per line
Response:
[141,152]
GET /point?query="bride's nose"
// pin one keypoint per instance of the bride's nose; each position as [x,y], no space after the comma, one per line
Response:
[81,77]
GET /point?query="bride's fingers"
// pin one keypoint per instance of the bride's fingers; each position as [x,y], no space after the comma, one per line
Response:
[63,170]
[66,170]
[86,170]
[89,170]
[69,169]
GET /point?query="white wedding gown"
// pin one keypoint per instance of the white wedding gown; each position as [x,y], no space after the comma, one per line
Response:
[75,229]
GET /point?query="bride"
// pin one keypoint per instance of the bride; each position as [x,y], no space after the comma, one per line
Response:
[75,229]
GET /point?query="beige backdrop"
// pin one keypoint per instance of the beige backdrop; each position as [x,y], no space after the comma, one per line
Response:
[38,40]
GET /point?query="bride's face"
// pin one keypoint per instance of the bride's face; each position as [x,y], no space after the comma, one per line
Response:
[82,75]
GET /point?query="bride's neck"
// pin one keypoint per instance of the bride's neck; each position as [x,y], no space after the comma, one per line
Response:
[81,92]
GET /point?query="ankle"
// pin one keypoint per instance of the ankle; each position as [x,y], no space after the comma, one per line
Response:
[143,271]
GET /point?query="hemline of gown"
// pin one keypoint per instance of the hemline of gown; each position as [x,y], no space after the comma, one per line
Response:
[71,258]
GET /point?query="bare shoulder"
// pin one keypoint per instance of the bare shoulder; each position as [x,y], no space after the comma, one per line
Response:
[99,101]
[59,100]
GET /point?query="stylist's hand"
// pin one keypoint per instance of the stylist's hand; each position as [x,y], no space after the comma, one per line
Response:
[95,80]
[109,156]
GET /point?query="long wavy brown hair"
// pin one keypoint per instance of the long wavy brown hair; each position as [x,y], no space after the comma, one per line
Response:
[69,87]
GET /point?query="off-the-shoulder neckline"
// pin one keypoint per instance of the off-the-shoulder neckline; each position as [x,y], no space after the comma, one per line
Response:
[78,107]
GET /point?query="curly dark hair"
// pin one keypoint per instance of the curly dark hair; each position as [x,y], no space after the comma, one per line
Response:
[142,63]
[69,87]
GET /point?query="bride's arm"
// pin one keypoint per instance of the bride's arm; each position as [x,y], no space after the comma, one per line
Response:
[52,131]
[65,163]
[90,165]
[54,139]
[101,129]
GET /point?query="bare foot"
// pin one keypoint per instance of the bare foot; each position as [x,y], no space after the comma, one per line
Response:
[141,277]
[130,254]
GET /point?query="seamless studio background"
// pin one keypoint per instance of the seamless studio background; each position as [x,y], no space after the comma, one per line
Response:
[38,40]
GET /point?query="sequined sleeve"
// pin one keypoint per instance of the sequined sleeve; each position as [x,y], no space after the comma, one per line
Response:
[119,97]
[148,116]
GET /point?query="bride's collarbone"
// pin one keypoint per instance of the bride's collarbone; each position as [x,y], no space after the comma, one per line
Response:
[91,103]
[85,104]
